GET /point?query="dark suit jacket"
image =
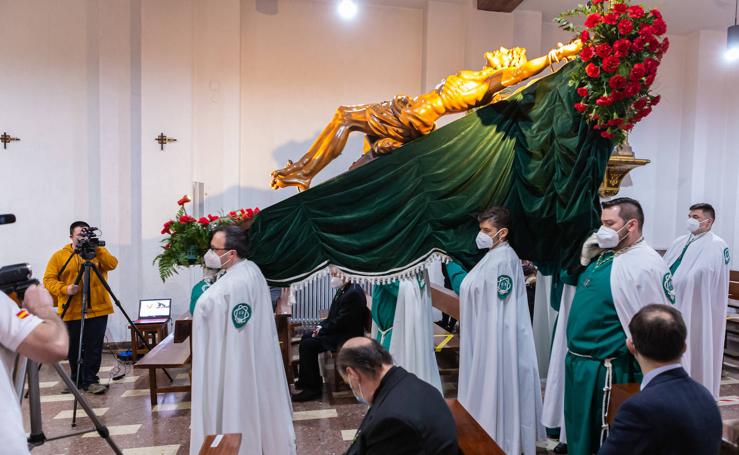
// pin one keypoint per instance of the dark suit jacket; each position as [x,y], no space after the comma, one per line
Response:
[672,415]
[346,316]
[408,416]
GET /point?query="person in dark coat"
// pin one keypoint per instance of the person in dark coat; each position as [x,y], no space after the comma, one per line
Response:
[672,414]
[347,318]
[406,414]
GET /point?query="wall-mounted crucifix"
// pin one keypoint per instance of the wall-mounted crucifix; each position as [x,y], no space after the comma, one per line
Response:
[5,138]
[162,140]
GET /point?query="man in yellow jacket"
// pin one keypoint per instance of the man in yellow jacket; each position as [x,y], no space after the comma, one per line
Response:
[59,280]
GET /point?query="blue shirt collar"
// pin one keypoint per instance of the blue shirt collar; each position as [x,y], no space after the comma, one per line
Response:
[656,372]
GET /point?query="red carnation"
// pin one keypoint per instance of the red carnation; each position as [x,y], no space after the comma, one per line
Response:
[213,218]
[625,26]
[610,18]
[615,122]
[233,214]
[664,46]
[582,91]
[580,107]
[650,80]
[184,200]
[620,8]
[604,101]
[656,13]
[586,54]
[638,44]
[256,210]
[167,225]
[204,221]
[584,36]
[652,43]
[249,213]
[640,104]
[611,64]
[646,30]
[636,12]
[644,112]
[603,50]
[186,219]
[656,100]
[659,26]
[592,70]
[606,135]
[617,82]
[622,47]
[167,246]
[638,72]
[618,95]
[632,89]
[628,126]
[593,20]
[650,65]
[595,2]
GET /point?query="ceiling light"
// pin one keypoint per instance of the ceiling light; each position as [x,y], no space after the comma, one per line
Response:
[347,9]
[732,38]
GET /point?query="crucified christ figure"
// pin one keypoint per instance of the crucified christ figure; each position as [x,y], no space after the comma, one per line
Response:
[390,124]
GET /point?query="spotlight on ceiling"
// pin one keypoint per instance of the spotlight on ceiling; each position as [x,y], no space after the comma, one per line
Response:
[347,9]
[732,38]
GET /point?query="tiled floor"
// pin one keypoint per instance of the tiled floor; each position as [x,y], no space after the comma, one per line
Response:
[321,428]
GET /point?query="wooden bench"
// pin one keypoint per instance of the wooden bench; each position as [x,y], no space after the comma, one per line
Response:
[445,300]
[221,444]
[619,394]
[471,437]
[166,354]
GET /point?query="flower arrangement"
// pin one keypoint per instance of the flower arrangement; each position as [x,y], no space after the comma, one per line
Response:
[188,238]
[622,49]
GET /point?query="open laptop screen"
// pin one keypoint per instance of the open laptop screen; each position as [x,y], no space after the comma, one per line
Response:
[154,308]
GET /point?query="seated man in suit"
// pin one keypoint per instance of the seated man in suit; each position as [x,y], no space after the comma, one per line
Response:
[347,317]
[407,415]
[672,414]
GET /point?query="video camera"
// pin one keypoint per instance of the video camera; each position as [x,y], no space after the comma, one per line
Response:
[88,243]
[16,279]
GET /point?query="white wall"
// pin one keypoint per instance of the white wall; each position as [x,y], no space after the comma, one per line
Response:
[245,85]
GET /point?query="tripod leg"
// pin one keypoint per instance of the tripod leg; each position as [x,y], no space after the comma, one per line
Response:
[83,314]
[101,429]
[120,307]
[37,436]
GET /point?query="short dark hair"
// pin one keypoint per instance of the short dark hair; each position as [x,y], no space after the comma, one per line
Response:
[77,224]
[235,239]
[658,332]
[368,358]
[628,209]
[707,209]
[499,216]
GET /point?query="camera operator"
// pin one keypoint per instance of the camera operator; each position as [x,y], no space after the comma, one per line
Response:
[59,280]
[35,332]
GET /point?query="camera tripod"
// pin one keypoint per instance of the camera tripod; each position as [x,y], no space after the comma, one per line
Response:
[84,275]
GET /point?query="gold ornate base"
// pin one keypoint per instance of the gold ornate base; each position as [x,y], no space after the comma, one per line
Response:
[619,164]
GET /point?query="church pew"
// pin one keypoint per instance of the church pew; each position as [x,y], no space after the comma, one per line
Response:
[445,300]
[166,354]
[619,394]
[221,444]
[471,437]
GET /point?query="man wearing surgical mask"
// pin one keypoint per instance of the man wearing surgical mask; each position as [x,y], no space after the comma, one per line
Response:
[621,274]
[346,319]
[699,261]
[238,379]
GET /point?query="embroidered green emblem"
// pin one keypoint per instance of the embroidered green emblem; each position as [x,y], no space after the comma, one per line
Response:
[727,256]
[240,315]
[505,286]
[668,288]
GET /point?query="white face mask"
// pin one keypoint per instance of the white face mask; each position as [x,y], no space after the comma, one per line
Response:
[212,260]
[607,237]
[358,394]
[484,241]
[693,225]
[336,282]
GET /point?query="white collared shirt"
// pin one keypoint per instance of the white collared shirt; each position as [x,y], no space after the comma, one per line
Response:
[657,371]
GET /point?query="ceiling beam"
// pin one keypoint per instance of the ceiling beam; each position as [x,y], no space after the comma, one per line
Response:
[502,6]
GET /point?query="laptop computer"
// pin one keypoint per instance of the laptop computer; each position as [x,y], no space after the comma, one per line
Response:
[154,311]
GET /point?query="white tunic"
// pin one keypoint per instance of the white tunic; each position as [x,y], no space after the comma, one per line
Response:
[702,287]
[412,343]
[639,277]
[238,380]
[498,375]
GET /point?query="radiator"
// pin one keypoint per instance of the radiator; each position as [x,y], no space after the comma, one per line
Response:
[313,301]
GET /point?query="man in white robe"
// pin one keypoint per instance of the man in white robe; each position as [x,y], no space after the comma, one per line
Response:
[589,352]
[498,374]
[238,380]
[699,262]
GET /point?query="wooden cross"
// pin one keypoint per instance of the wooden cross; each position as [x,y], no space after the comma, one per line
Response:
[162,139]
[6,139]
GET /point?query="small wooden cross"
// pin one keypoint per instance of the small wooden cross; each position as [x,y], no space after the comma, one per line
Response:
[162,140]
[6,139]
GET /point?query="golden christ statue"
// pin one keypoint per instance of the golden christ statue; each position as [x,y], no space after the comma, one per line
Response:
[390,124]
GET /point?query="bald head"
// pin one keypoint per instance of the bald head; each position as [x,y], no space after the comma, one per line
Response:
[658,333]
[364,355]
